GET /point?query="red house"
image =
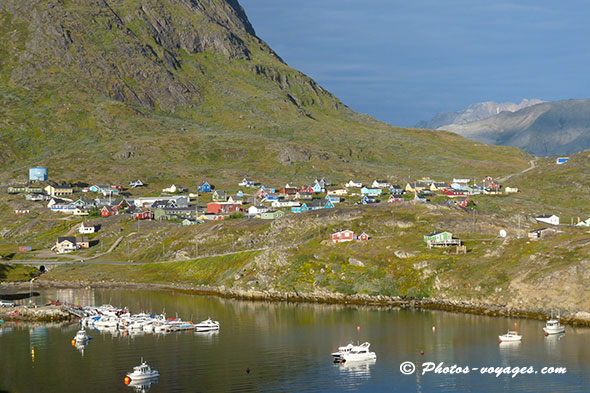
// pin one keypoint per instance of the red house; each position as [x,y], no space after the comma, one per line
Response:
[363,237]
[453,193]
[462,202]
[108,211]
[223,207]
[343,236]
[393,198]
[143,216]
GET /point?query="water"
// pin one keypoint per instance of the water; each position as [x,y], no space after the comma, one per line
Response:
[287,348]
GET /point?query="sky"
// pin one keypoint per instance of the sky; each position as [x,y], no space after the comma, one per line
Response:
[405,61]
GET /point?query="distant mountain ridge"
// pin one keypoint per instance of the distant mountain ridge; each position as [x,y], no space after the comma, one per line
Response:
[475,112]
[546,129]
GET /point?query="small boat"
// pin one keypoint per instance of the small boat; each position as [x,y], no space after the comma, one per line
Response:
[207,325]
[143,372]
[81,336]
[553,326]
[358,354]
[512,335]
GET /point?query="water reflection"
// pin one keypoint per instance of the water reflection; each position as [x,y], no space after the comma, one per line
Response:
[361,370]
[142,386]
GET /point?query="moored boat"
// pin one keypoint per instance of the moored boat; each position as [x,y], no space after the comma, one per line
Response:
[510,336]
[207,325]
[359,353]
[553,326]
[143,372]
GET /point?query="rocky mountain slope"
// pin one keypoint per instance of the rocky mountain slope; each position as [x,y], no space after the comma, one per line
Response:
[474,112]
[183,90]
[551,128]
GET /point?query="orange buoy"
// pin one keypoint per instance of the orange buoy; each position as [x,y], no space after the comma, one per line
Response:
[127,380]
[433,329]
[500,341]
[546,334]
[73,343]
[515,324]
[422,353]
[358,328]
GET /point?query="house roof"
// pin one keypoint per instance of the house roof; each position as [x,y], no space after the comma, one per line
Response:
[437,233]
[71,239]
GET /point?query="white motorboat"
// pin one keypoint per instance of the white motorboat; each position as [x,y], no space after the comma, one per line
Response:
[207,325]
[359,354]
[81,337]
[143,372]
[553,326]
[511,336]
[107,323]
[342,350]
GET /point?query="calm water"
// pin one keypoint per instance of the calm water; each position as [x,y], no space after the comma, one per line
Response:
[287,348]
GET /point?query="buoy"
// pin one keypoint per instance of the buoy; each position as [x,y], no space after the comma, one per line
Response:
[73,343]
[358,328]
[546,334]
[515,324]
[433,329]
[248,370]
[500,341]
[422,353]
[127,380]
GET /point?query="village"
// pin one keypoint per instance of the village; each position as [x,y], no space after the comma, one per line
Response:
[250,200]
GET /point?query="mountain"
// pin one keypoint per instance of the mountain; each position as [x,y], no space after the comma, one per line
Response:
[547,129]
[475,112]
[182,91]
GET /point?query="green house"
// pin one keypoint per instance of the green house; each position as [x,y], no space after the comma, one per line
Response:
[160,214]
[272,215]
[438,237]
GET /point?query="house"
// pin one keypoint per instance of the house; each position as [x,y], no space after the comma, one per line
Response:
[35,197]
[187,222]
[65,244]
[352,184]
[21,211]
[179,211]
[333,198]
[380,184]
[211,217]
[284,203]
[172,189]
[120,204]
[272,197]
[82,242]
[262,194]
[107,211]
[438,186]
[441,239]
[367,200]
[416,186]
[254,211]
[393,198]
[552,220]
[240,194]
[461,181]
[370,191]
[462,202]
[136,183]
[562,160]
[146,215]
[178,200]
[323,183]
[338,192]
[396,189]
[79,212]
[19,190]
[57,190]
[219,196]
[272,215]
[66,207]
[540,233]
[300,209]
[288,191]
[511,190]
[452,193]
[343,236]
[160,214]
[246,183]
[363,237]
[317,187]
[585,223]
[223,207]
[38,174]
[304,195]
[459,186]
[317,204]
[205,187]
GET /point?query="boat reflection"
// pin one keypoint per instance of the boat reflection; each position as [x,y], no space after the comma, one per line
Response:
[142,386]
[361,369]
[81,346]
[508,347]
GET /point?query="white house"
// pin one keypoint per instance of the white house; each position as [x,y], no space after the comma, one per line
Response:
[285,204]
[552,220]
[461,181]
[352,183]
[256,210]
[380,184]
[172,189]
[86,229]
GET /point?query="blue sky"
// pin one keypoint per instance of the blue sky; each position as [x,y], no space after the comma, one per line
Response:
[404,61]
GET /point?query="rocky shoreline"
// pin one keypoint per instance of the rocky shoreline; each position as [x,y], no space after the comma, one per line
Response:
[449,305]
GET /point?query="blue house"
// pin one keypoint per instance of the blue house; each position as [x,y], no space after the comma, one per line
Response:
[205,187]
[38,174]
[300,209]
[333,198]
[370,191]
[368,199]
[317,188]
[240,194]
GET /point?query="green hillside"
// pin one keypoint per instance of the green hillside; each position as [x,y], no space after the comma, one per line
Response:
[180,90]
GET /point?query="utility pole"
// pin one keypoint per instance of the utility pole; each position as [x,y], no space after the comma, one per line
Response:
[518,236]
[196,248]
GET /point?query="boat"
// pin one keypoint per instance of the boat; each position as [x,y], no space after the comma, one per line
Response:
[338,354]
[143,372]
[81,336]
[359,353]
[207,325]
[553,326]
[511,336]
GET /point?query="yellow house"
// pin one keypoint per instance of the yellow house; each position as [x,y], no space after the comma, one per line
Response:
[416,187]
[80,212]
[511,190]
